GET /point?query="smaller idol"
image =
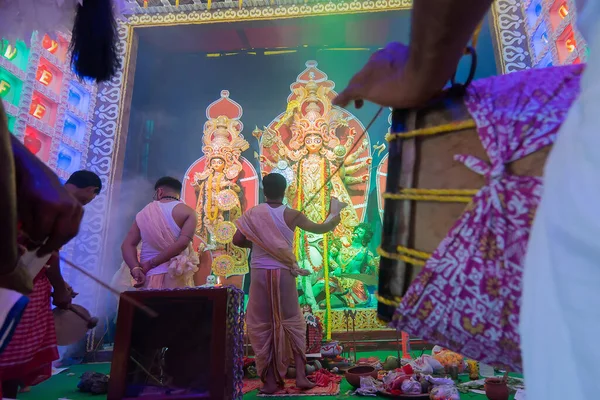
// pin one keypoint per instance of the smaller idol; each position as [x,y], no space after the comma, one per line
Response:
[353,271]
[218,192]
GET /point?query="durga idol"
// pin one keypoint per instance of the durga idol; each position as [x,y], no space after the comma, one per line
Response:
[320,161]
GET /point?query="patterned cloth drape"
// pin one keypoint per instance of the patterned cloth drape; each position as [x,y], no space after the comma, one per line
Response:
[467,297]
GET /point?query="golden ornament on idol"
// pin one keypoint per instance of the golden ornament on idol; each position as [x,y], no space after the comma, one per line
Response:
[217,192]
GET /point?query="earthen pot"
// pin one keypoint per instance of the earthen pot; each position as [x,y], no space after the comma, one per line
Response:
[496,389]
[353,374]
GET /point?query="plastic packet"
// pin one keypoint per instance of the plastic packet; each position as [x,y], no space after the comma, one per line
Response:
[368,386]
[421,365]
[411,386]
[435,364]
[444,392]
[439,381]
[390,378]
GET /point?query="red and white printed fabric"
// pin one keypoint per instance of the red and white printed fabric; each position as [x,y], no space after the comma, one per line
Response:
[29,355]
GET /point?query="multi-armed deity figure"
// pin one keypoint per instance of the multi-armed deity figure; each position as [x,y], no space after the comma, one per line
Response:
[313,143]
[218,191]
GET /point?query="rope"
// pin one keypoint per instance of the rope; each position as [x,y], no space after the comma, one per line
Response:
[434,130]
[419,197]
[449,192]
[413,253]
[411,256]
[395,302]
[475,37]
[400,257]
[327,289]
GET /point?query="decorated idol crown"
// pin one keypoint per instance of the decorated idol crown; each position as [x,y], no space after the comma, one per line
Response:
[310,109]
[222,137]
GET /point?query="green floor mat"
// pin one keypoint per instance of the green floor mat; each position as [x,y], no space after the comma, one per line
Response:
[64,385]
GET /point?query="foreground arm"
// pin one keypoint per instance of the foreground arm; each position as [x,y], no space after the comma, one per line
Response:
[8,200]
[440,31]
[407,77]
[10,276]
[46,211]
[185,237]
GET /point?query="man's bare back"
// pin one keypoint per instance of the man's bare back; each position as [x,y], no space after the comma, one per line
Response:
[182,213]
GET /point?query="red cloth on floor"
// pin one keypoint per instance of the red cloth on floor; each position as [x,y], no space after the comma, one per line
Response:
[323,378]
[29,355]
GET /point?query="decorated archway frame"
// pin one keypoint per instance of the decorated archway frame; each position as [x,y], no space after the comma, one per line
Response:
[107,140]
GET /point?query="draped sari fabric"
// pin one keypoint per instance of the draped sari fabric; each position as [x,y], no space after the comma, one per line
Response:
[258,226]
[29,355]
[181,269]
[467,297]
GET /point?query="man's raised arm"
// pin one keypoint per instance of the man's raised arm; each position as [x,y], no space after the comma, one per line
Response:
[306,224]
[440,31]
[405,77]
[8,200]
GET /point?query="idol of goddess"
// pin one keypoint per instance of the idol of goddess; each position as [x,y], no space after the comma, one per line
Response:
[218,194]
[352,269]
[320,160]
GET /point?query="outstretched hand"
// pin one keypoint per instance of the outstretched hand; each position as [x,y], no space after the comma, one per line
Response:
[389,80]
[335,208]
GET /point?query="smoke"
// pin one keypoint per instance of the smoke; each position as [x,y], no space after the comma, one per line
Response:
[130,195]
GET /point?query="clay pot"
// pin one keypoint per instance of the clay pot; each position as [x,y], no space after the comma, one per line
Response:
[353,374]
[496,389]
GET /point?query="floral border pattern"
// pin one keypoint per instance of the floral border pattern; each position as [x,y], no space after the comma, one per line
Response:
[512,45]
[197,13]
[89,247]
